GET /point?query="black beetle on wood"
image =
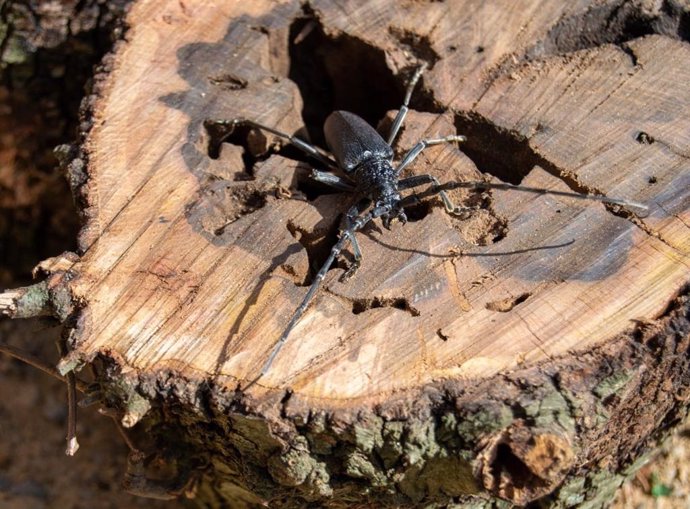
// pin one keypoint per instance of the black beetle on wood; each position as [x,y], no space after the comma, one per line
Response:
[365,161]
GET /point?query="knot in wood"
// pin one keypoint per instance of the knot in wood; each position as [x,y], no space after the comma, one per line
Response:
[522,464]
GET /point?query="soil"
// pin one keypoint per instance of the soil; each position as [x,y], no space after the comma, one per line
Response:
[34,472]
[664,483]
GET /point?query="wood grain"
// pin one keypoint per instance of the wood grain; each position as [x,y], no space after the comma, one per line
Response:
[163,290]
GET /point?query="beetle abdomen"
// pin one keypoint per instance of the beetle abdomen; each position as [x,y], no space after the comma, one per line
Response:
[353,141]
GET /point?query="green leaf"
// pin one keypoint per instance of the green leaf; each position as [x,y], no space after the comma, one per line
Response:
[659,489]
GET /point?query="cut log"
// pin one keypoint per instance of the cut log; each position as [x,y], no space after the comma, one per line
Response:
[535,350]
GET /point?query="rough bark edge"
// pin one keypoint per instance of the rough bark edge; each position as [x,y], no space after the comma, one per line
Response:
[50,297]
[74,158]
[570,429]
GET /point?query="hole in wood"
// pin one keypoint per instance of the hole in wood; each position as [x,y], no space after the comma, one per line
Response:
[362,305]
[236,202]
[644,139]
[418,211]
[418,45]
[495,151]
[229,81]
[339,73]
[496,231]
[510,473]
[505,305]
[250,140]
[613,23]
[317,243]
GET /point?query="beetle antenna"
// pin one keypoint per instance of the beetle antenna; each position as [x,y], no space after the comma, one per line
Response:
[641,209]
[37,363]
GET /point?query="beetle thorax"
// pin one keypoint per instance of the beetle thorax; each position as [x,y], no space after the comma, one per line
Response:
[376,179]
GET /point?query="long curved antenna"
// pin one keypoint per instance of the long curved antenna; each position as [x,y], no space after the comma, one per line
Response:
[642,209]
[39,364]
[72,443]
[305,147]
[73,385]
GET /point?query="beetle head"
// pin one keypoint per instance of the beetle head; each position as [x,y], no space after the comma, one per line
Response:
[388,206]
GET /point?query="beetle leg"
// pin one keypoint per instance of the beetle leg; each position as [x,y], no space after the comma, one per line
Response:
[350,219]
[71,379]
[305,147]
[332,180]
[417,149]
[402,112]
[420,180]
[357,254]
[357,223]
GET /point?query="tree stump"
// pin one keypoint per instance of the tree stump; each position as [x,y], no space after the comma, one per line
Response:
[534,351]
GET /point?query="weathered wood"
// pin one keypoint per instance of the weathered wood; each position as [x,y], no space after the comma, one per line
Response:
[511,353]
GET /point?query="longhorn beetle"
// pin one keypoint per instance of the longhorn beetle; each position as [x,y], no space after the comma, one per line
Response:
[362,164]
